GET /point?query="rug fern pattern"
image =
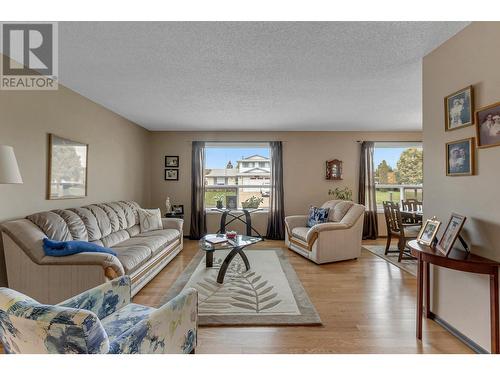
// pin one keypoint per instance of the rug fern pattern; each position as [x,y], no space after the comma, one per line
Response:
[245,290]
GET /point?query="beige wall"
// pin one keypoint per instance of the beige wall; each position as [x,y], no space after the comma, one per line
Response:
[304,156]
[118,151]
[472,57]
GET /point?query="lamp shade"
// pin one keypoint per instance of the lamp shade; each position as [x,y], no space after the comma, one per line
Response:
[9,171]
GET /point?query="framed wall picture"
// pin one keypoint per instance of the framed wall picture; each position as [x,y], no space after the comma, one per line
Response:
[459,109]
[171,174]
[334,169]
[451,233]
[178,209]
[67,169]
[488,126]
[428,231]
[171,162]
[460,157]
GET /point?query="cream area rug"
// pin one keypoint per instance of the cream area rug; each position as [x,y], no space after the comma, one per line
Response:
[408,265]
[270,293]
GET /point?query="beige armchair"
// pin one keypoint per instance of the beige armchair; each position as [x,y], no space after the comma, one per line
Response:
[333,241]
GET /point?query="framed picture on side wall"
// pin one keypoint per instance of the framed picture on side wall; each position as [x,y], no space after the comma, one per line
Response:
[171,174]
[488,126]
[460,157]
[459,109]
[67,172]
[171,162]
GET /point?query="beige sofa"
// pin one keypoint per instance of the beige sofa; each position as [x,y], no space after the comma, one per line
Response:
[115,225]
[333,241]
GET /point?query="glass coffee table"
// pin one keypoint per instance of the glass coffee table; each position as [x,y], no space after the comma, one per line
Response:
[236,246]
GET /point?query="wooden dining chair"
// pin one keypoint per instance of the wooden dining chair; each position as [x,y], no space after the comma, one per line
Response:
[396,228]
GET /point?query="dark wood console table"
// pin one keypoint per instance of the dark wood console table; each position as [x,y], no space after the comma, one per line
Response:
[460,261]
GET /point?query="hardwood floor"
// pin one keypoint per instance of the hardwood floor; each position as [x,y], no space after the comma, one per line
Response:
[367,306]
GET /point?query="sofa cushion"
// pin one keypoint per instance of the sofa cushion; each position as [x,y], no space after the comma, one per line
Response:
[52,224]
[115,238]
[132,254]
[88,218]
[300,233]
[134,230]
[103,221]
[124,319]
[112,216]
[160,238]
[75,224]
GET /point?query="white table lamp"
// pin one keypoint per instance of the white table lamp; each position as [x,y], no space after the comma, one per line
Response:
[9,170]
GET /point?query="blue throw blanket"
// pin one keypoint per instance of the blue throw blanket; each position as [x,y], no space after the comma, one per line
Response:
[63,248]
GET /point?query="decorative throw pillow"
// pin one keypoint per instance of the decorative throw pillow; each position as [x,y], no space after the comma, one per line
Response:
[317,215]
[340,210]
[150,220]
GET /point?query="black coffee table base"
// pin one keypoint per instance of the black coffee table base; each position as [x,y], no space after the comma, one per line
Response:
[209,262]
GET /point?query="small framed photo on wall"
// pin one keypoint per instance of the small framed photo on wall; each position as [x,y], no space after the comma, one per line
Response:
[460,157]
[171,162]
[488,126]
[171,174]
[459,109]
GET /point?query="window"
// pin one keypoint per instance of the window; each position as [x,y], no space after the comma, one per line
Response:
[398,171]
[238,174]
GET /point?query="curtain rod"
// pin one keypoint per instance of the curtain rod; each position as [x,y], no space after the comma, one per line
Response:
[195,140]
[361,141]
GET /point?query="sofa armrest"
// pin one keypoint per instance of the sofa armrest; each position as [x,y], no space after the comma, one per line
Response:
[295,221]
[172,223]
[318,228]
[104,299]
[110,264]
[170,329]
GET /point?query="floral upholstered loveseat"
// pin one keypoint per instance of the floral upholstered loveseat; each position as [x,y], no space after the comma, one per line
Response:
[100,320]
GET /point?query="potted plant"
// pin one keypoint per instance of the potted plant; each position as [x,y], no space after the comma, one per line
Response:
[252,202]
[219,199]
[344,194]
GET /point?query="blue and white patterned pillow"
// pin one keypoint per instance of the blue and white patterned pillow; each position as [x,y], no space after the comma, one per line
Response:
[317,215]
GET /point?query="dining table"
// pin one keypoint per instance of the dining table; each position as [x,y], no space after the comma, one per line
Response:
[417,216]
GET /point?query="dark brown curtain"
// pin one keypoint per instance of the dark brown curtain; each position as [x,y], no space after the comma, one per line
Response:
[276,218]
[198,218]
[366,192]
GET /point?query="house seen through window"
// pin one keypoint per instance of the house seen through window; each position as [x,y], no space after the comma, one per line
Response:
[398,171]
[237,175]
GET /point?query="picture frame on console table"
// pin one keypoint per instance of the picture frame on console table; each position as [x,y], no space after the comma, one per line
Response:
[428,232]
[452,231]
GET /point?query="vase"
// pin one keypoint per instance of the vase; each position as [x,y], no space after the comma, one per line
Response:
[219,205]
[168,206]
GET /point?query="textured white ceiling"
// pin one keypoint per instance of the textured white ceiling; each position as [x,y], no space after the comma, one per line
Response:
[253,75]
